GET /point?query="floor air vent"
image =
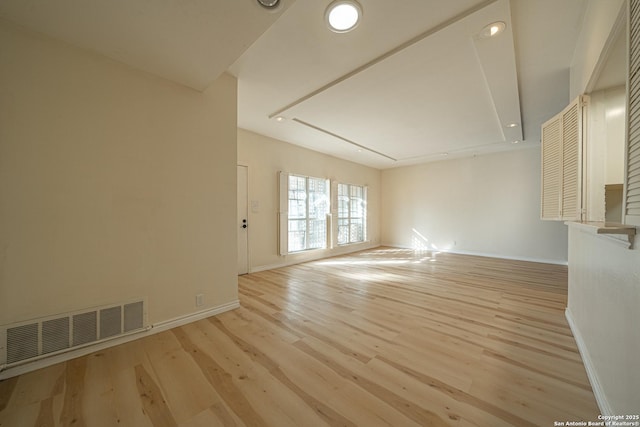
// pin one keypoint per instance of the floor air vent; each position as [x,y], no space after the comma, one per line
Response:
[28,340]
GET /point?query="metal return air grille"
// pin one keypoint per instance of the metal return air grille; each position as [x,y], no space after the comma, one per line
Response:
[58,333]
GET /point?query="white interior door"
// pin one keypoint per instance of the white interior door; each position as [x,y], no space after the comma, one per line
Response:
[242,222]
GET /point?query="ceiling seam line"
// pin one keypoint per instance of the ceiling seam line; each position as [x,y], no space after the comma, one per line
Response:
[319,129]
[386,55]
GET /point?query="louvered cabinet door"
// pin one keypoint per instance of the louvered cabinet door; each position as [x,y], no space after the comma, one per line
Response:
[562,159]
[571,206]
[551,169]
[632,172]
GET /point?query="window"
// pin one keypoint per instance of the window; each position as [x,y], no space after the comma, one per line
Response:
[308,206]
[352,214]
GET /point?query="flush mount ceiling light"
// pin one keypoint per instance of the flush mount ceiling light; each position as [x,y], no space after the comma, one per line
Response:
[343,15]
[269,4]
[492,30]
[512,125]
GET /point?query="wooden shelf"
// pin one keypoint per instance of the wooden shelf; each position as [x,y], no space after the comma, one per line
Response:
[620,233]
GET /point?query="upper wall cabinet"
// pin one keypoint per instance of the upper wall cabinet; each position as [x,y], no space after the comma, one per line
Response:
[632,182]
[563,141]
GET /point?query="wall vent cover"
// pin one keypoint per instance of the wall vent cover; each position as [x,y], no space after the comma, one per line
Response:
[23,341]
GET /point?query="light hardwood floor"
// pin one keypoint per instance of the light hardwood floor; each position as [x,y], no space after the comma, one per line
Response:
[386,337]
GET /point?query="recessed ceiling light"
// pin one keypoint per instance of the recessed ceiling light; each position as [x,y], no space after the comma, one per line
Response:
[516,141]
[343,15]
[280,119]
[269,4]
[492,30]
[513,125]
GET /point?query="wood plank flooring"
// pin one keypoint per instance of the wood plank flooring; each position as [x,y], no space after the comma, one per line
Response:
[386,337]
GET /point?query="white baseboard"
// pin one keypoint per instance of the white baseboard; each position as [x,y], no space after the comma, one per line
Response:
[268,267]
[601,398]
[91,348]
[322,254]
[183,320]
[488,255]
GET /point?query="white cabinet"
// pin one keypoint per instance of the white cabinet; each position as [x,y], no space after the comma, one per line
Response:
[632,159]
[563,147]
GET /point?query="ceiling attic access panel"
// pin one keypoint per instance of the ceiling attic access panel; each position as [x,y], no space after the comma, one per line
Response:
[450,91]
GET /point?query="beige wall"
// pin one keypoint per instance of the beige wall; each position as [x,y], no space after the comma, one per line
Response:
[114,184]
[595,35]
[604,296]
[614,120]
[604,277]
[487,205]
[265,157]
[605,151]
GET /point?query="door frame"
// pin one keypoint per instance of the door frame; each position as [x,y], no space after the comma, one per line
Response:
[246,216]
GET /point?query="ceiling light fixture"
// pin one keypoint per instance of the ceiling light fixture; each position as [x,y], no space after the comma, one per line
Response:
[269,4]
[280,119]
[493,29]
[343,15]
[513,125]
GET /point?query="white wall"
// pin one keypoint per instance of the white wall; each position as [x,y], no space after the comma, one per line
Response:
[265,157]
[487,205]
[114,184]
[604,296]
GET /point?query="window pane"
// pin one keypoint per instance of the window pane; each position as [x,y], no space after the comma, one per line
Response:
[297,209]
[343,231]
[356,233]
[297,197]
[308,209]
[296,183]
[356,208]
[352,214]
[317,234]
[297,232]
[318,198]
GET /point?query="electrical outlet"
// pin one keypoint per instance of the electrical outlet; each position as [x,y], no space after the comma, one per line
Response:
[199,300]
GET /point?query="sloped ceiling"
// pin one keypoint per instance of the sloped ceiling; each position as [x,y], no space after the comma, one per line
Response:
[190,42]
[412,83]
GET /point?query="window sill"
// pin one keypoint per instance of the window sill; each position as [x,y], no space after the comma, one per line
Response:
[617,233]
[341,245]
